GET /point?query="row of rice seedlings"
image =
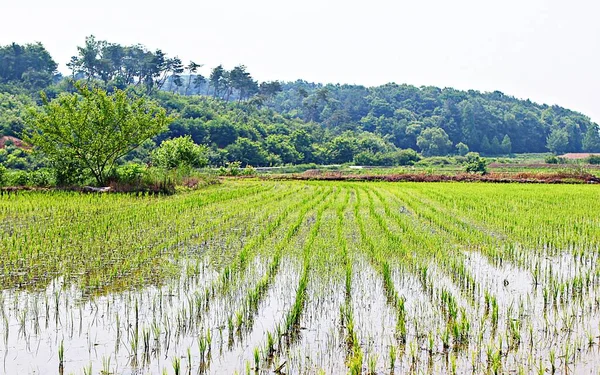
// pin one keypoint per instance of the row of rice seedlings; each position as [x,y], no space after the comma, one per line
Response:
[513,331]
[458,321]
[382,265]
[222,310]
[180,318]
[235,270]
[354,351]
[320,346]
[287,332]
[255,295]
[198,303]
[35,250]
[548,216]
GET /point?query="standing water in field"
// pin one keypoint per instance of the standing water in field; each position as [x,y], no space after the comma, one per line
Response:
[302,277]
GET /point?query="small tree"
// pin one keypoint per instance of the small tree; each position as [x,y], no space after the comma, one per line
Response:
[2,175]
[434,141]
[475,163]
[180,152]
[506,145]
[462,149]
[558,141]
[91,129]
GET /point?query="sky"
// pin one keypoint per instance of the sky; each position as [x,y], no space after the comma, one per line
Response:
[544,50]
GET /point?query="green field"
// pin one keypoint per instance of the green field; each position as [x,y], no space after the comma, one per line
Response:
[303,277]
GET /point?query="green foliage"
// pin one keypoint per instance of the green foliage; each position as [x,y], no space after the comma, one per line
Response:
[551,159]
[462,149]
[30,66]
[12,109]
[434,141]
[91,129]
[593,159]
[506,145]
[591,139]
[558,141]
[475,163]
[393,158]
[130,173]
[3,175]
[274,123]
[248,152]
[179,152]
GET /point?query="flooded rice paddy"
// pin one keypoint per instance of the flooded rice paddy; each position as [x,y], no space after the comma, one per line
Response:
[254,277]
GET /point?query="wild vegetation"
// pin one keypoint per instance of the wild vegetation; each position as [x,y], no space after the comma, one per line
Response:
[239,119]
[302,277]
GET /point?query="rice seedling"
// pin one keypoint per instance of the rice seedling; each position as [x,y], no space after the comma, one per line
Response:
[351,277]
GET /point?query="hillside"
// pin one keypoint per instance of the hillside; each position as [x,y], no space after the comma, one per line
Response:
[273,123]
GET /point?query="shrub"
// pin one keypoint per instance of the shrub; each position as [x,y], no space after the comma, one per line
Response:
[475,163]
[593,159]
[552,159]
[19,178]
[130,173]
[41,177]
[231,169]
[462,149]
[3,175]
[179,152]
[393,158]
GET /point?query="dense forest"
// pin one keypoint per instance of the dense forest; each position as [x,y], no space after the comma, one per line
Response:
[275,123]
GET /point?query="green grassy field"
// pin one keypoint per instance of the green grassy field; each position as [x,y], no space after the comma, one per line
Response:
[303,277]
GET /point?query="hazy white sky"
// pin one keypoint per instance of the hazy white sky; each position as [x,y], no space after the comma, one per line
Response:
[545,50]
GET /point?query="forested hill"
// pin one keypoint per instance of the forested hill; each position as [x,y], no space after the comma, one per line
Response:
[273,123]
[490,123]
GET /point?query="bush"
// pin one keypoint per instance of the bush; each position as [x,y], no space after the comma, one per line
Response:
[552,159]
[19,178]
[475,163]
[130,173]
[231,169]
[69,172]
[41,177]
[179,152]
[462,149]
[3,175]
[394,158]
[593,159]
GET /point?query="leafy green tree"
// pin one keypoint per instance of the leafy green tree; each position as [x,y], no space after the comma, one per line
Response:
[92,129]
[29,65]
[3,175]
[217,80]
[496,148]
[280,145]
[12,110]
[462,149]
[486,145]
[475,163]
[341,149]
[192,68]
[506,145]
[247,152]
[434,141]
[180,152]
[558,141]
[303,143]
[269,89]
[591,139]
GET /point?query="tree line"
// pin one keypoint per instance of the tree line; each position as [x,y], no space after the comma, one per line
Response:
[271,123]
